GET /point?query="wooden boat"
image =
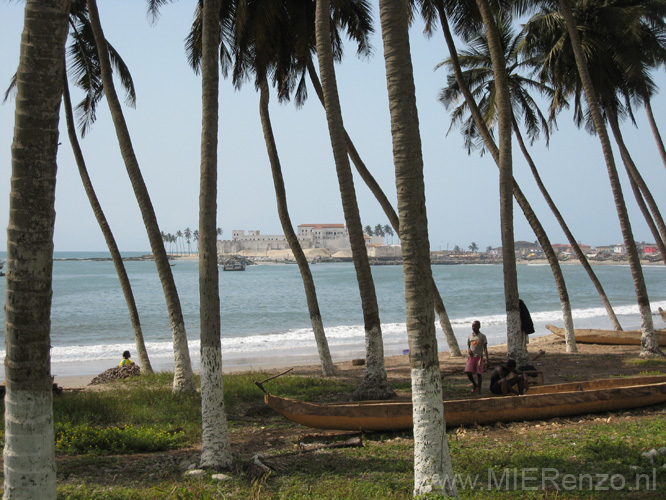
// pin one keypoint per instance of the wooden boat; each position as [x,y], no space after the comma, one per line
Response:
[614,337]
[541,402]
[234,266]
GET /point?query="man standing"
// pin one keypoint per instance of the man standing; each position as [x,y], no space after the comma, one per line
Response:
[477,347]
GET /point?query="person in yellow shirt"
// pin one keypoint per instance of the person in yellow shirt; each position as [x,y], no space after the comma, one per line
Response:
[126,361]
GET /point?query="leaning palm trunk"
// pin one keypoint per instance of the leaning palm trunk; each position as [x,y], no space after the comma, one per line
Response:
[565,228]
[433,471]
[374,187]
[653,216]
[183,380]
[375,384]
[655,131]
[215,444]
[517,351]
[29,452]
[514,334]
[117,259]
[649,344]
[327,367]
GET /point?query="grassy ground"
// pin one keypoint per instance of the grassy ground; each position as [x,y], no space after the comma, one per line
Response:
[585,457]
[135,440]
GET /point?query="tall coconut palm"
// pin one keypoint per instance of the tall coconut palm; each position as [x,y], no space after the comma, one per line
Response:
[649,344]
[117,259]
[384,202]
[29,451]
[183,375]
[504,126]
[215,444]
[84,66]
[433,471]
[265,46]
[375,383]
[621,43]
[476,72]
[468,24]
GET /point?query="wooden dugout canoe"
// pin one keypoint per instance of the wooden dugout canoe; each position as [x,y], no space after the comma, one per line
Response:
[613,337]
[541,402]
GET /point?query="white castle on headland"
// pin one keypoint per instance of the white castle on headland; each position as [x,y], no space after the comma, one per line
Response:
[330,237]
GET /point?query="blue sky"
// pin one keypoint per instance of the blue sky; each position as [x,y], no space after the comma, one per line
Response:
[461,190]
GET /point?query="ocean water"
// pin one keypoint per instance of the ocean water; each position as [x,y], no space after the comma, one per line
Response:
[265,318]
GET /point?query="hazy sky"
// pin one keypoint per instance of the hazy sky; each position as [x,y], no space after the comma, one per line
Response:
[462,190]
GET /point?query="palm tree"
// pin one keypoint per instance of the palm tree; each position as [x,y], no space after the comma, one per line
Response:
[179,235]
[29,451]
[117,259]
[264,45]
[368,230]
[489,249]
[188,238]
[649,344]
[620,74]
[183,375]
[215,444]
[433,472]
[504,126]
[473,247]
[469,16]
[375,384]
[379,230]
[388,230]
[83,61]
[479,78]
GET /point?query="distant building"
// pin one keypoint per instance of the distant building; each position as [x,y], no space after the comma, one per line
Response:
[332,237]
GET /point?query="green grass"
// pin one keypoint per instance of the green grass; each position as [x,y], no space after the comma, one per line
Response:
[97,430]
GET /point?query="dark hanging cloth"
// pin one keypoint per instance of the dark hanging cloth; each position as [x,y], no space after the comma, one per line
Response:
[526,324]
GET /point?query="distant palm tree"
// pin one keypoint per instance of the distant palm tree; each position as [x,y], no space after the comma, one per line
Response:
[379,230]
[188,238]
[389,231]
[368,230]
[29,454]
[179,235]
[473,247]
[489,249]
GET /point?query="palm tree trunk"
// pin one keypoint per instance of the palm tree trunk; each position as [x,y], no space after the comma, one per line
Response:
[649,344]
[374,187]
[183,379]
[572,241]
[626,158]
[655,131]
[215,443]
[514,333]
[433,471]
[655,220]
[117,259]
[375,384]
[327,367]
[29,451]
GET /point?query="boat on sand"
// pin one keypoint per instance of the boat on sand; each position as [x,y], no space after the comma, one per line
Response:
[541,402]
[613,337]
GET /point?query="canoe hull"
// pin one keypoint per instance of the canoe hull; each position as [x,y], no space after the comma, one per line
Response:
[541,402]
[610,337]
